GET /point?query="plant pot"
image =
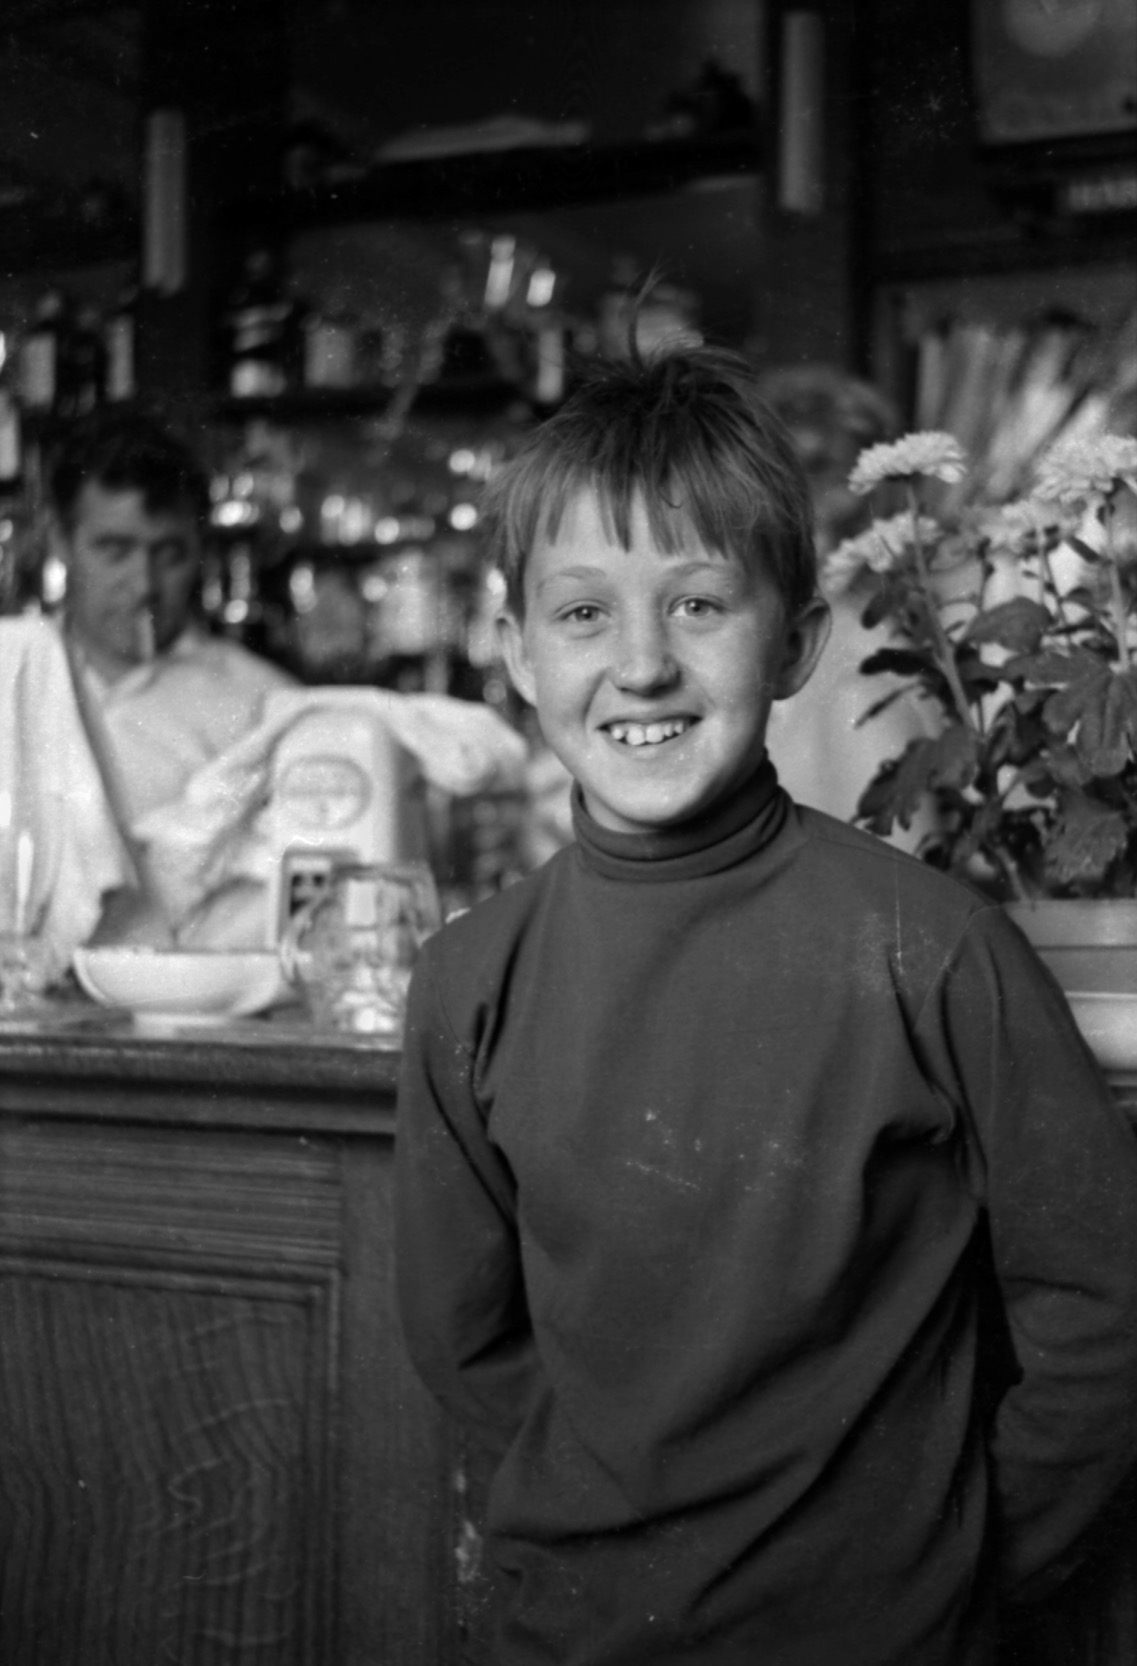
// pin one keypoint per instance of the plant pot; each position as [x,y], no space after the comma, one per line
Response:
[1091,947]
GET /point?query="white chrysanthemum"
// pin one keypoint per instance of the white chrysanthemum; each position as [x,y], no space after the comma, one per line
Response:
[938,456]
[1016,528]
[883,546]
[1079,469]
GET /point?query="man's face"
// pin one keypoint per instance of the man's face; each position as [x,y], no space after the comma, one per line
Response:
[130,574]
[653,673]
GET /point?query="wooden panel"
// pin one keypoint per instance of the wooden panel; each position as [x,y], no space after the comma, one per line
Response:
[225,1298]
[245,1200]
[163,1483]
[169,1301]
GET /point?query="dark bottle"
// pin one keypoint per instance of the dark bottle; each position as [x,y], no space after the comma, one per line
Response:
[258,327]
[82,371]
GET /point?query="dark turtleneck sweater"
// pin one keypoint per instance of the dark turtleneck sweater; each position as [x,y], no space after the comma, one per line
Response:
[709,1140]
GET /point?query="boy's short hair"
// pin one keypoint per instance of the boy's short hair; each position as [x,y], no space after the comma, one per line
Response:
[686,431]
[128,451]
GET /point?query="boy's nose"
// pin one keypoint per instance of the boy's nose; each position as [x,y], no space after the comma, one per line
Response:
[644,659]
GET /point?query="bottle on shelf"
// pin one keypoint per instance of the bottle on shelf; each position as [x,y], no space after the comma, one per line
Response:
[260,328]
[82,374]
[331,348]
[41,354]
[11,434]
[119,348]
[547,327]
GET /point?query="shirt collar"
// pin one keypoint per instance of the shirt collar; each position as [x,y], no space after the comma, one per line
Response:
[139,676]
[744,822]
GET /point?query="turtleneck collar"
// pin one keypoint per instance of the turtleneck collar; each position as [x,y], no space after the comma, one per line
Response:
[724,835]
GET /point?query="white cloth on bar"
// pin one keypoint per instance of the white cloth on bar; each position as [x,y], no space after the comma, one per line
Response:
[212,837]
[51,786]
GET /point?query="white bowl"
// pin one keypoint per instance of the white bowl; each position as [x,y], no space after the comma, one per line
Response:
[174,986]
[1109,1024]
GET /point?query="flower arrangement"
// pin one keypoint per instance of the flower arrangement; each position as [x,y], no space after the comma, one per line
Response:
[1018,622]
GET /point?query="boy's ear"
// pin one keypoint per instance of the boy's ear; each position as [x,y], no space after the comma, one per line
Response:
[806,636]
[511,640]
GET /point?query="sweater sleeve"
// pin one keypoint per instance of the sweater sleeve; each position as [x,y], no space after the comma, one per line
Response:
[1056,1168]
[458,1266]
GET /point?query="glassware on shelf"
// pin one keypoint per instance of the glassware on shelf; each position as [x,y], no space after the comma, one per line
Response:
[24,961]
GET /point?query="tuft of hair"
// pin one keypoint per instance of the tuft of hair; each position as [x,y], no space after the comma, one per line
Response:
[685,432]
[127,450]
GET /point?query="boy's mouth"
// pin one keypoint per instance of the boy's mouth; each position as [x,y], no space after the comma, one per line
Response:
[650,734]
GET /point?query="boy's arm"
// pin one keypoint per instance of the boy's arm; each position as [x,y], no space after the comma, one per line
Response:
[457,1257]
[1059,1178]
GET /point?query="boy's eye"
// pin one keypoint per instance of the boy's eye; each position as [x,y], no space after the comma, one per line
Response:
[698,607]
[581,613]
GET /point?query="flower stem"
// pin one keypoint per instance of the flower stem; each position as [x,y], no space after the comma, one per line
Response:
[944,654]
[1116,593]
[1011,874]
[1046,567]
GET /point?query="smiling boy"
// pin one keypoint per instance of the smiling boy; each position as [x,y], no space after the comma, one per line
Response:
[714,1131]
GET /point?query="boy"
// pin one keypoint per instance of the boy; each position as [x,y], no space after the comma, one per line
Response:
[711,1129]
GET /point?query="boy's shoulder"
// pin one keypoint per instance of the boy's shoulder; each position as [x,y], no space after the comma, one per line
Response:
[482,935]
[865,860]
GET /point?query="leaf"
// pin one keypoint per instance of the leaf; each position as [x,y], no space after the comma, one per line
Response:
[1065,768]
[1107,733]
[876,610]
[954,758]
[977,677]
[1019,624]
[883,703]
[1069,705]
[1086,839]
[1052,668]
[903,662]
[948,762]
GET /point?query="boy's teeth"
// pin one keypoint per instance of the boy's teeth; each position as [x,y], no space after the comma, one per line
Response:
[648,734]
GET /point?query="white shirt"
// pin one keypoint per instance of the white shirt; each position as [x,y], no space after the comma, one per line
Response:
[167,718]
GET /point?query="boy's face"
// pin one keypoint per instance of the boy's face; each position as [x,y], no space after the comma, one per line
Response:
[653,674]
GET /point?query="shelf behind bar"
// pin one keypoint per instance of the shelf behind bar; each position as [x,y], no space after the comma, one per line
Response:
[509,181]
[28,244]
[1111,241]
[473,398]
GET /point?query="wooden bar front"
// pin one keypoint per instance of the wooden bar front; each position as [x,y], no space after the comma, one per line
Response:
[212,1447]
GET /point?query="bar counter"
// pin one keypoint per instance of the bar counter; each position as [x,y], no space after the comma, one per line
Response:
[213,1450]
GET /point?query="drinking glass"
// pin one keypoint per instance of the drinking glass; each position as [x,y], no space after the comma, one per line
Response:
[23,953]
[23,972]
[352,947]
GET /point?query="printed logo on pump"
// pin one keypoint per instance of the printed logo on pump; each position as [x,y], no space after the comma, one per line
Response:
[323,792]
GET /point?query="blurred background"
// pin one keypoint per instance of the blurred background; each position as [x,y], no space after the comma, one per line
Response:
[354,252]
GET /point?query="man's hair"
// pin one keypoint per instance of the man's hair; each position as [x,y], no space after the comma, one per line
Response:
[686,433]
[128,451]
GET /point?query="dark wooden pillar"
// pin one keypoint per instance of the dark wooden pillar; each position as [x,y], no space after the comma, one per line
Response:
[811,301]
[222,64]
